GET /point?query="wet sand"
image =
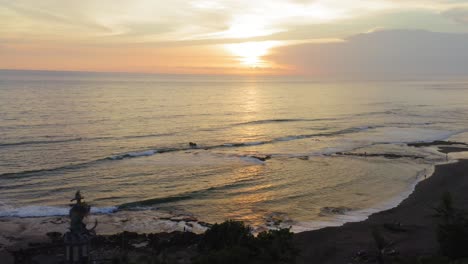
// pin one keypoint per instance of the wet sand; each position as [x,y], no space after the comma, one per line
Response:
[340,244]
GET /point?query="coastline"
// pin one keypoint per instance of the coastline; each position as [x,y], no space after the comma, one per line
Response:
[415,213]
[335,244]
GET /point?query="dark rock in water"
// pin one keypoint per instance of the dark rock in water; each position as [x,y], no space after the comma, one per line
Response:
[183,218]
[262,158]
[329,210]
[205,224]
[436,143]
[383,155]
[275,219]
[447,150]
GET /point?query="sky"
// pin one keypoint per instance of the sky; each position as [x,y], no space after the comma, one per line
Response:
[319,38]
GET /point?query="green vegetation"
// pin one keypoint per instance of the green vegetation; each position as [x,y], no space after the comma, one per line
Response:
[233,242]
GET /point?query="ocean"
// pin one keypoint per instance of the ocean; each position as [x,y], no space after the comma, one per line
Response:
[269,150]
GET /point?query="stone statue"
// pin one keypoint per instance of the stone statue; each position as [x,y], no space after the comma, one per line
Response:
[77,240]
[77,214]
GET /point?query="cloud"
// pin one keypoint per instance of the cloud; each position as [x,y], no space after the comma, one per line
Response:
[145,20]
[459,15]
[92,28]
[393,54]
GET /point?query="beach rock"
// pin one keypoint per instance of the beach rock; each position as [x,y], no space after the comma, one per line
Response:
[329,210]
[383,155]
[436,143]
[262,158]
[205,224]
[183,218]
[275,219]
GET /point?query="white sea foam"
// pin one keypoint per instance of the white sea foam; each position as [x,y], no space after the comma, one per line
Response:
[255,143]
[135,154]
[42,211]
[143,153]
[252,160]
[407,135]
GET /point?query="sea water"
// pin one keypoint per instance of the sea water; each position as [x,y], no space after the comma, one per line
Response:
[123,140]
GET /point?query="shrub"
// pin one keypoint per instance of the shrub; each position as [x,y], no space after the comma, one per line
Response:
[452,230]
[276,246]
[233,242]
[225,235]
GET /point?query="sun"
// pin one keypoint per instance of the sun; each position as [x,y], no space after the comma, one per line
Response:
[250,53]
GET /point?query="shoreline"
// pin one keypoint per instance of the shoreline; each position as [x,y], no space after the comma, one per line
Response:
[332,244]
[415,213]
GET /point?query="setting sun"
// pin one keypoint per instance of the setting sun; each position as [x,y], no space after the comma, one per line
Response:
[250,53]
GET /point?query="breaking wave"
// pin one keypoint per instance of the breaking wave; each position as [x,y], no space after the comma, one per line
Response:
[42,211]
[153,151]
[78,139]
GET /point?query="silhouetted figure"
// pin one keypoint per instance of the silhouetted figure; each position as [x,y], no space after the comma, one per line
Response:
[77,213]
[77,240]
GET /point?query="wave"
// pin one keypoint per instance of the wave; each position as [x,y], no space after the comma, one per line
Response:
[55,169]
[395,111]
[285,120]
[180,197]
[156,201]
[330,210]
[43,211]
[154,151]
[151,152]
[133,154]
[34,142]
[79,139]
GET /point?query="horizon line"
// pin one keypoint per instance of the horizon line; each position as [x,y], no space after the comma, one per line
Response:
[303,77]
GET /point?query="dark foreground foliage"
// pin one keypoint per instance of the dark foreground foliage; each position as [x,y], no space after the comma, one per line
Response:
[233,242]
[452,231]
